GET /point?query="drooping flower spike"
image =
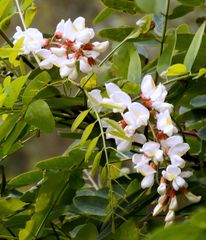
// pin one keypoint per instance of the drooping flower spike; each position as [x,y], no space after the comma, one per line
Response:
[163,150]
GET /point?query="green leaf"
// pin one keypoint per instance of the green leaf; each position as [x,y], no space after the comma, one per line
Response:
[6,52]
[119,34]
[95,164]
[13,91]
[87,132]
[151,6]
[7,126]
[30,14]
[106,12]
[120,135]
[35,86]
[194,48]
[45,203]
[39,115]
[25,179]
[127,227]
[202,133]
[180,11]
[79,120]
[26,4]
[85,231]
[72,159]
[175,70]
[9,206]
[14,135]
[199,219]
[165,59]
[91,148]
[201,73]
[134,68]
[115,125]
[199,101]
[91,205]
[131,88]
[179,232]
[192,3]
[4,4]
[121,5]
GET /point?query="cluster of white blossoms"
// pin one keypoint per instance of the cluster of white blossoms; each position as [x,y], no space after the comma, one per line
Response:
[160,152]
[69,48]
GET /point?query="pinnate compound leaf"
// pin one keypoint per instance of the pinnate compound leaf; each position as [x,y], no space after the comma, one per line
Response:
[39,115]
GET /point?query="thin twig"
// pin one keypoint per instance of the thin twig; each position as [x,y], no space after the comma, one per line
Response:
[91,180]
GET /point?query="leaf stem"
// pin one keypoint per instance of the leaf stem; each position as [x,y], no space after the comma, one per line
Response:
[163,33]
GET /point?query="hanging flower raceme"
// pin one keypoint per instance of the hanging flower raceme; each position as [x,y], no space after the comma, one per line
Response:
[161,152]
[69,47]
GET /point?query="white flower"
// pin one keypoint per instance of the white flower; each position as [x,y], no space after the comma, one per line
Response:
[33,39]
[137,115]
[67,67]
[142,166]
[154,97]
[171,141]
[165,124]
[174,175]
[152,150]
[75,31]
[117,98]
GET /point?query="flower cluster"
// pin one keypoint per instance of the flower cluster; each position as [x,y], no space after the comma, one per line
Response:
[162,149]
[69,48]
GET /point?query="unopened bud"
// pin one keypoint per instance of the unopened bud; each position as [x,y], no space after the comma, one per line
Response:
[170,216]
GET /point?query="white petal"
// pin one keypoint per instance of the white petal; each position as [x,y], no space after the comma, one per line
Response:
[146,170]
[192,198]
[100,46]
[59,52]
[147,181]
[173,203]
[162,188]
[179,149]
[79,23]
[60,26]
[84,65]
[111,88]
[186,174]
[139,138]
[170,216]
[177,161]
[180,181]
[158,209]
[64,71]
[147,86]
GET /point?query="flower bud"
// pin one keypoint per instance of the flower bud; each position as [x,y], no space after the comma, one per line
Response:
[170,216]
[173,203]
[192,197]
